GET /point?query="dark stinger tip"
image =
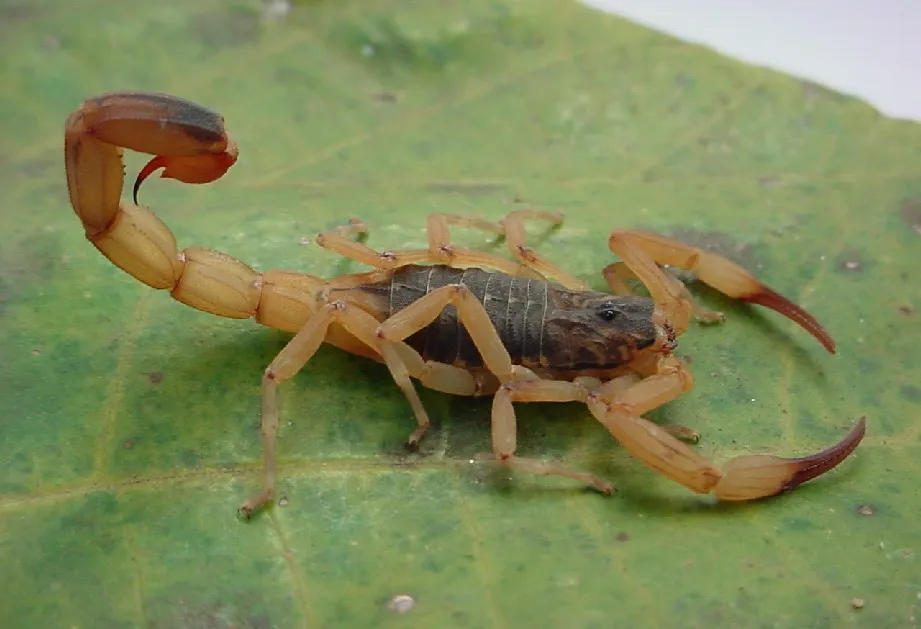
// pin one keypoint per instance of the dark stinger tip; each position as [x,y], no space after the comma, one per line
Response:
[810,467]
[150,167]
[778,303]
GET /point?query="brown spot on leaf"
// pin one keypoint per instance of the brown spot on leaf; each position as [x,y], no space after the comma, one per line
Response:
[906,310]
[385,97]
[155,377]
[127,445]
[866,510]
[623,536]
[910,392]
[857,603]
[768,181]
[911,214]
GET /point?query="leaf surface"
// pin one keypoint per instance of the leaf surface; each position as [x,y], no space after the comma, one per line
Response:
[129,423]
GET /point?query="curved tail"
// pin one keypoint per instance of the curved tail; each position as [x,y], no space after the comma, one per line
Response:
[190,144]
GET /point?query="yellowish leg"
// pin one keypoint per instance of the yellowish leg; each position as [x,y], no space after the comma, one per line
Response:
[643,252]
[472,315]
[339,241]
[617,274]
[613,388]
[438,376]
[504,424]
[441,250]
[438,231]
[515,238]
[620,410]
[747,477]
[292,359]
[512,227]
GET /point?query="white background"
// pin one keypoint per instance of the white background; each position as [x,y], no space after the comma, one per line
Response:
[871,50]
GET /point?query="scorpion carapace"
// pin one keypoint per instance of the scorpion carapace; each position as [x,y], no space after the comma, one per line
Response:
[540,323]
[456,320]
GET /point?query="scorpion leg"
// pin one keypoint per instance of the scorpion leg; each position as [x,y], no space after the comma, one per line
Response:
[441,250]
[747,477]
[515,238]
[504,424]
[616,275]
[643,252]
[292,359]
[517,383]
[338,240]
[512,228]
[622,384]
[471,313]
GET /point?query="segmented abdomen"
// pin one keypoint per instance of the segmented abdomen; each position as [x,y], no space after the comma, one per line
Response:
[515,306]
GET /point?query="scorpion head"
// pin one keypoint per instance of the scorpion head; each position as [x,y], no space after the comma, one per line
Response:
[588,330]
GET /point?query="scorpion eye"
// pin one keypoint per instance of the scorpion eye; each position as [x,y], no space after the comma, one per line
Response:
[608,314]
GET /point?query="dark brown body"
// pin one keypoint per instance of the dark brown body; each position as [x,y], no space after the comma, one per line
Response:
[541,324]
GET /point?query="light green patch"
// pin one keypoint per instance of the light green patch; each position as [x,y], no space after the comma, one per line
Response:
[129,424]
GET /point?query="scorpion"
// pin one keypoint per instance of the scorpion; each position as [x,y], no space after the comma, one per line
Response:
[457,320]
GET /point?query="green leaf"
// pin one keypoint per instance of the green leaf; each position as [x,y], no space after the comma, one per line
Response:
[129,423]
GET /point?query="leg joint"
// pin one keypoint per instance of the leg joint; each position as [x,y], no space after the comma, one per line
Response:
[597,398]
[460,291]
[527,253]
